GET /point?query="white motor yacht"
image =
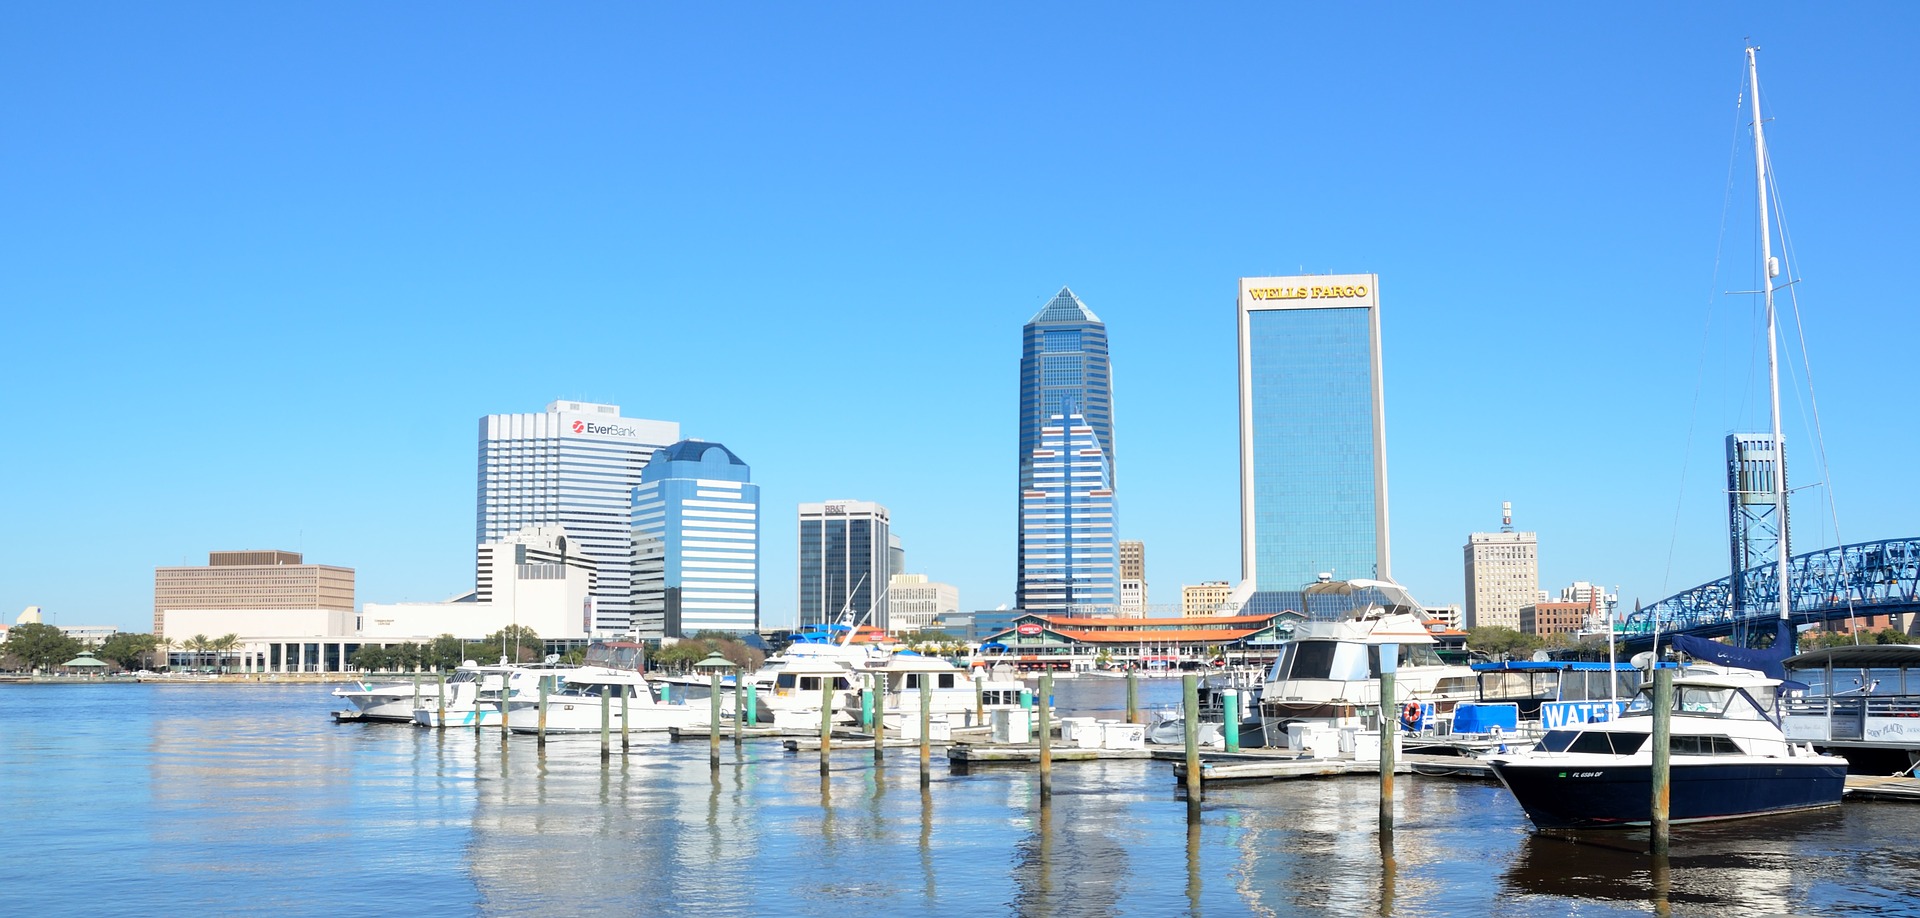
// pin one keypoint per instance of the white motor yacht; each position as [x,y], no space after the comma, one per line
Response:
[1330,671]
[955,698]
[575,704]
[475,689]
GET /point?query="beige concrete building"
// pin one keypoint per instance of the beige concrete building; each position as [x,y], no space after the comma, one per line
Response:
[1133,577]
[918,603]
[1503,576]
[1204,598]
[250,580]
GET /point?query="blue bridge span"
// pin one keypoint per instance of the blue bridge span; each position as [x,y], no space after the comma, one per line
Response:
[1869,578]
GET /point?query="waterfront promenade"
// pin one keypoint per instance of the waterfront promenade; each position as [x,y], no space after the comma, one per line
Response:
[125,798]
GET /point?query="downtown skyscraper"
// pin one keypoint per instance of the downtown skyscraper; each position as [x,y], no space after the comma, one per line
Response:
[1313,435]
[1064,371]
[574,466]
[696,543]
[844,562]
[1070,545]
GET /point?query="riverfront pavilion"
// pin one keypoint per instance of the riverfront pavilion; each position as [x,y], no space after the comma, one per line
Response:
[1038,641]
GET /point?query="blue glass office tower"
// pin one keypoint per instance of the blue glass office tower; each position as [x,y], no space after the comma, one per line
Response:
[844,563]
[696,543]
[1064,370]
[1070,543]
[1313,452]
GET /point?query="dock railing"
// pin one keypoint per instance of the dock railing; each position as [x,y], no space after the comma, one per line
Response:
[1886,720]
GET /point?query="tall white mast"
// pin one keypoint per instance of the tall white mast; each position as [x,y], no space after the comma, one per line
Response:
[1770,269]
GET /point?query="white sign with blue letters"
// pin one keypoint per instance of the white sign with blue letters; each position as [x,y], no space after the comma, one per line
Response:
[1554,714]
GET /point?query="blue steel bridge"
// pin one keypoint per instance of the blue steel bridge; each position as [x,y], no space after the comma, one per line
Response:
[1869,578]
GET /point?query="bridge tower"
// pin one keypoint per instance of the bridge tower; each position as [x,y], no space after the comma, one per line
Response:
[1758,530]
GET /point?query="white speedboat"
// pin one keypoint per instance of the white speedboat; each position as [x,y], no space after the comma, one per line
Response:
[392,702]
[1727,759]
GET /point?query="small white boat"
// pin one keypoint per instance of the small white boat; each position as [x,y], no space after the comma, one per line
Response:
[393,702]
[474,692]
[1330,671]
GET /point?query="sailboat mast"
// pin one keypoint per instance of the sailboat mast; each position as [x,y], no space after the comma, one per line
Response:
[1769,270]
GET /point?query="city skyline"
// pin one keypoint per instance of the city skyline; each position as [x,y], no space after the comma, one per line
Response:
[266,292]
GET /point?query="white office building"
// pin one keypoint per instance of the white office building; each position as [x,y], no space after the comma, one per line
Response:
[574,466]
[917,603]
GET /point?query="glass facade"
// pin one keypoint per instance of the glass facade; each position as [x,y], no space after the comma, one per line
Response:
[1071,563]
[696,543]
[843,562]
[1312,450]
[1064,370]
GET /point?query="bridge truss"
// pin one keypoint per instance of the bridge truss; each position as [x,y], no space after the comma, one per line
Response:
[1868,578]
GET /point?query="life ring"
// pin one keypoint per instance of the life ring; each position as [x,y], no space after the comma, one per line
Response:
[1410,716]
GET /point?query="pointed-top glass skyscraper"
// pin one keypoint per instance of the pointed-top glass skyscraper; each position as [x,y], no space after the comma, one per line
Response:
[1064,370]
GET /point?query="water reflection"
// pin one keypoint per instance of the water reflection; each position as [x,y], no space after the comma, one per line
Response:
[246,800]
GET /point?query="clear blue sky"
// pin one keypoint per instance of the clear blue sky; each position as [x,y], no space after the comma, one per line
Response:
[262,266]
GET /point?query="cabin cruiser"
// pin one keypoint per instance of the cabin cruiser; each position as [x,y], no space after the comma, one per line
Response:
[1330,671]
[1728,760]
[574,705]
[956,699]
[474,692]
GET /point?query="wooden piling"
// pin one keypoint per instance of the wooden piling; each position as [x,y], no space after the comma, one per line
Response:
[879,716]
[543,712]
[442,722]
[926,728]
[826,722]
[1190,708]
[606,722]
[713,721]
[1045,705]
[1658,825]
[1133,696]
[623,722]
[1389,731]
[739,712]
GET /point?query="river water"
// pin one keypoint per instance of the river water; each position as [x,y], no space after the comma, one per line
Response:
[219,799]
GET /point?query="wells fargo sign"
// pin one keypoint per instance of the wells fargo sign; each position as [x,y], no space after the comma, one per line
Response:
[1343,292]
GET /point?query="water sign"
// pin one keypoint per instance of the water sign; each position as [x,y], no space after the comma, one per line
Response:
[1555,714]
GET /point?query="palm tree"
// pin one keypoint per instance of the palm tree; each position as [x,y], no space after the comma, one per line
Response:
[199,644]
[225,644]
[166,644]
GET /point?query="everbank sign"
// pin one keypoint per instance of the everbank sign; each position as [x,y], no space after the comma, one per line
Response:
[602,430]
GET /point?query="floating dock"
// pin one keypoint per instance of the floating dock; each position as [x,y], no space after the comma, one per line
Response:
[1875,787]
[726,732]
[964,754]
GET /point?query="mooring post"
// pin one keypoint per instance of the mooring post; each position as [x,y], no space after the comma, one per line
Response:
[1230,719]
[623,721]
[926,728]
[1389,731]
[543,712]
[1133,696]
[442,722]
[416,691]
[753,704]
[739,713]
[826,719]
[979,699]
[1190,709]
[1662,758]
[506,708]
[879,715]
[866,705]
[713,720]
[606,723]
[1044,703]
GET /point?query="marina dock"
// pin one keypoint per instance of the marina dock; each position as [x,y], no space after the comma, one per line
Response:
[1876,787]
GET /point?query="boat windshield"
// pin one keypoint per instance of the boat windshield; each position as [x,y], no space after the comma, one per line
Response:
[1701,701]
[1409,655]
[1318,659]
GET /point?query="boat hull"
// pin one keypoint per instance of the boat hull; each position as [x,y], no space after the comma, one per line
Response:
[1565,795]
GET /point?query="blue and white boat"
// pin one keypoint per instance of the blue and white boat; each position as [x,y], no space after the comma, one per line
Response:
[1728,759]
